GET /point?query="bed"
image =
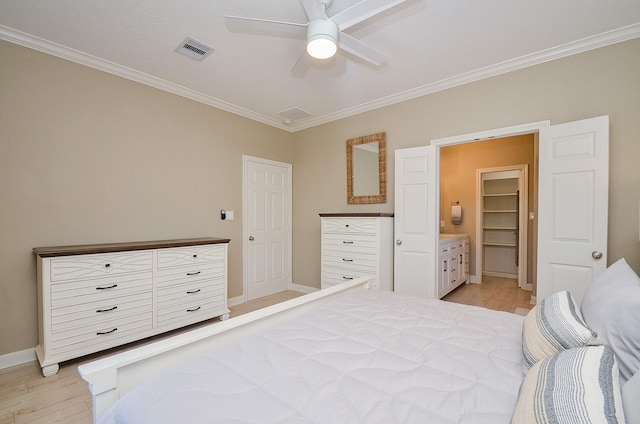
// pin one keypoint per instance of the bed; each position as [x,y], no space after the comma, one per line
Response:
[344,354]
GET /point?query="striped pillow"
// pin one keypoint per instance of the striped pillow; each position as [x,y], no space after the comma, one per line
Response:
[553,325]
[574,386]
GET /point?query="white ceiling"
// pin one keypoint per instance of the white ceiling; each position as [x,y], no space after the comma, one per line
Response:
[431,45]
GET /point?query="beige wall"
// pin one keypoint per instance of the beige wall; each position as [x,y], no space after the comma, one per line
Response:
[605,81]
[458,169]
[87,157]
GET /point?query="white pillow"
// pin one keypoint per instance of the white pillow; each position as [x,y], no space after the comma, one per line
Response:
[553,325]
[574,386]
[611,307]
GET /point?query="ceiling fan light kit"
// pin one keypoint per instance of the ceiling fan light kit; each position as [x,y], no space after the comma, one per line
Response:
[322,38]
[325,34]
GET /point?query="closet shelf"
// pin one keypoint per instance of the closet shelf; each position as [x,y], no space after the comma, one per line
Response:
[500,244]
[499,211]
[500,228]
[499,194]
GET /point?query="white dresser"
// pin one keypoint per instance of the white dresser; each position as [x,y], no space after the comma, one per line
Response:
[453,262]
[94,297]
[354,245]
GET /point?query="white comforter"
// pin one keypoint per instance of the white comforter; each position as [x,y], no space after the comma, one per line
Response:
[370,357]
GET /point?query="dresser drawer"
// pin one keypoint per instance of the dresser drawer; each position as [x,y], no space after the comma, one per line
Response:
[349,226]
[332,280]
[100,289]
[191,255]
[360,262]
[68,268]
[341,276]
[191,312]
[189,274]
[101,335]
[91,313]
[350,243]
[190,292]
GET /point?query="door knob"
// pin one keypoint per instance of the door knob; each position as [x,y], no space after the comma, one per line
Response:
[251,238]
[398,242]
[596,255]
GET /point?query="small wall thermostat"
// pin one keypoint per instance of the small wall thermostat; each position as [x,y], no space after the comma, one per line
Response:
[226,215]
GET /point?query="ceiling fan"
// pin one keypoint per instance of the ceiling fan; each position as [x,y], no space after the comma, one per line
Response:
[325,34]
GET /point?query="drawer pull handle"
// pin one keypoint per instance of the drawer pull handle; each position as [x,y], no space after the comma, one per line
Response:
[193,310]
[107,288]
[101,333]
[107,310]
[195,256]
[193,273]
[107,265]
[347,278]
[347,260]
[347,242]
[193,291]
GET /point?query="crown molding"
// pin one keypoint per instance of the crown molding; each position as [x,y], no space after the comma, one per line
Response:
[54,49]
[601,40]
[590,43]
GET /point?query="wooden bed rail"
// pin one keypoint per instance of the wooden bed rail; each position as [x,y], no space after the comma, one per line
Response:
[111,377]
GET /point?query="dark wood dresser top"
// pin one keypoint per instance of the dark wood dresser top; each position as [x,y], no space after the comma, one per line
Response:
[84,249]
[354,215]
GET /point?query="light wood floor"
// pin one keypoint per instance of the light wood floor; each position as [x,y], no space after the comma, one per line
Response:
[28,397]
[501,294]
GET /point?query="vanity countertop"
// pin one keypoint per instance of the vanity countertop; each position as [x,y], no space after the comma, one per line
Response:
[448,236]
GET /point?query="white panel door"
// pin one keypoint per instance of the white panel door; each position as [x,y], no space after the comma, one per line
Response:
[573,206]
[416,231]
[267,226]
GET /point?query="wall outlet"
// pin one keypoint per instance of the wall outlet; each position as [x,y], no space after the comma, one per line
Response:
[441,224]
[229,215]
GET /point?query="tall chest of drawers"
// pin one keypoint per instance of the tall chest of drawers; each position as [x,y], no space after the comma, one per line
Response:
[94,297]
[355,245]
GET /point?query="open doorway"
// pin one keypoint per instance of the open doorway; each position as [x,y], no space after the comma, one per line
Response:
[511,244]
[502,195]
[566,252]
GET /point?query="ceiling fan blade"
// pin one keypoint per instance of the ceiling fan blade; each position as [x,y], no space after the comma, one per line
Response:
[360,49]
[254,25]
[301,67]
[362,11]
[314,9]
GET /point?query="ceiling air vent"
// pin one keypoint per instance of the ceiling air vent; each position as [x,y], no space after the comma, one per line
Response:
[194,49]
[294,113]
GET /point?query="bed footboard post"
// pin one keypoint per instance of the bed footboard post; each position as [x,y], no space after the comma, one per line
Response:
[103,388]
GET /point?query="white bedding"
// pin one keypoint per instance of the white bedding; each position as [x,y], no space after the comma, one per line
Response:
[369,356]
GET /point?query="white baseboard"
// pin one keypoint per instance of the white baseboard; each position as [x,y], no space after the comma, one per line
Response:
[303,289]
[235,301]
[473,280]
[17,358]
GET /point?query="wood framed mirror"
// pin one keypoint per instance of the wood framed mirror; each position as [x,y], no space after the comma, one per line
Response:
[367,169]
